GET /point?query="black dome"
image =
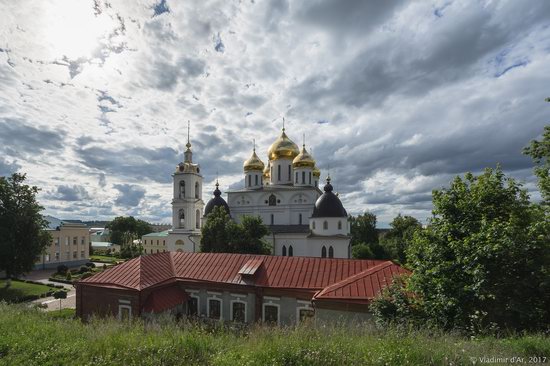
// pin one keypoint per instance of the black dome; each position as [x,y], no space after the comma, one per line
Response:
[217,201]
[329,205]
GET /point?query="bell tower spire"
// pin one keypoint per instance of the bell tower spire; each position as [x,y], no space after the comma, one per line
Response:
[188,155]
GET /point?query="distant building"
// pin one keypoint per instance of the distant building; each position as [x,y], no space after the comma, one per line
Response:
[70,244]
[237,287]
[106,246]
[154,242]
[100,234]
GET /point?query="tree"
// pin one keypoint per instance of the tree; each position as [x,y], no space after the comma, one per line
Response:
[222,235]
[361,251]
[484,259]
[61,294]
[539,151]
[22,228]
[363,232]
[124,230]
[399,237]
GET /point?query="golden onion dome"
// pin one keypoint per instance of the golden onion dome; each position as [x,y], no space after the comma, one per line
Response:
[316,172]
[254,163]
[283,148]
[303,160]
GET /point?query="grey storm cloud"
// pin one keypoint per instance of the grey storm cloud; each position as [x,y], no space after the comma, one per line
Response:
[8,167]
[129,195]
[70,193]
[19,139]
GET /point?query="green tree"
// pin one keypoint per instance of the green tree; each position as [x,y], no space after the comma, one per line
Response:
[220,234]
[539,151]
[22,228]
[484,259]
[124,230]
[399,237]
[363,231]
[361,251]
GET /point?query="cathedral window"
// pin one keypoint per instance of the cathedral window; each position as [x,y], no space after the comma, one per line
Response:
[309,178]
[290,251]
[300,219]
[198,219]
[197,190]
[272,220]
[331,252]
[296,177]
[284,250]
[249,180]
[324,252]
[303,177]
[313,225]
[272,200]
[279,172]
[182,189]
[182,219]
[289,173]
[316,183]
[325,225]
[256,180]
[339,225]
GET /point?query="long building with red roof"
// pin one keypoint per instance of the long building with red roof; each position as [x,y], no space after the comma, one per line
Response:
[236,287]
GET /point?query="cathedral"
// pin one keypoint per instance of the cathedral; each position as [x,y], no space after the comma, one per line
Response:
[303,219]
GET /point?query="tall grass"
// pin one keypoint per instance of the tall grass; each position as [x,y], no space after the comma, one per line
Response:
[30,337]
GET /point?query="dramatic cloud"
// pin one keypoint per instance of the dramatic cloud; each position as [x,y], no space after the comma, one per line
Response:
[395,98]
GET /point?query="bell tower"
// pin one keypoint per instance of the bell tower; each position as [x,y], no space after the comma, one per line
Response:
[187,203]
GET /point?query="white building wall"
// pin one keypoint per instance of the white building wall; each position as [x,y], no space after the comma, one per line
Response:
[285,167]
[189,203]
[317,226]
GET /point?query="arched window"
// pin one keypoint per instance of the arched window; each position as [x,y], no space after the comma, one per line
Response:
[272,220]
[303,177]
[182,218]
[289,173]
[284,250]
[198,219]
[182,189]
[249,180]
[313,225]
[316,183]
[272,200]
[290,251]
[256,179]
[324,252]
[197,190]
[309,178]
[296,177]
[339,225]
[300,219]
[330,252]
[325,225]
[278,172]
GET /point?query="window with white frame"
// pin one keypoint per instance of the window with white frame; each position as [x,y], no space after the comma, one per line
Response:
[304,312]
[214,306]
[238,311]
[271,310]
[124,311]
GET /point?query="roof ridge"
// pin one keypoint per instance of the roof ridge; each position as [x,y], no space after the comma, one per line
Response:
[352,278]
[172,265]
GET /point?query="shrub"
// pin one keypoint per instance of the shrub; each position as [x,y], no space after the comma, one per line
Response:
[68,277]
[90,265]
[62,269]
[84,269]
[75,271]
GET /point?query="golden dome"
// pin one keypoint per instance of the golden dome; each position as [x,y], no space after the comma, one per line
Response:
[304,159]
[283,148]
[316,172]
[254,163]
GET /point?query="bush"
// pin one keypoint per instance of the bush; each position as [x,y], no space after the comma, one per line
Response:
[86,275]
[62,269]
[75,271]
[90,265]
[84,269]
[68,277]
[104,267]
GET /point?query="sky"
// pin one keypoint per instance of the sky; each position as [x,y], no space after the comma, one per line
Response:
[395,98]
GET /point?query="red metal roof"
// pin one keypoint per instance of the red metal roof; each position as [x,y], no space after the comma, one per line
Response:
[272,272]
[251,267]
[164,298]
[363,286]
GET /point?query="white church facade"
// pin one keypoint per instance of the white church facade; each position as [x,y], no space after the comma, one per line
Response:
[303,219]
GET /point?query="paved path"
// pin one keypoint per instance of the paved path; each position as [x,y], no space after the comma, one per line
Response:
[52,303]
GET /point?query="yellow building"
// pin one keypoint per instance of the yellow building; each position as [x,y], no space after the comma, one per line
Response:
[70,244]
[154,242]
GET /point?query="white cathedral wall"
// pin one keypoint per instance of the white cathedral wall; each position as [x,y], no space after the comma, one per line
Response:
[332,226]
[284,177]
[306,246]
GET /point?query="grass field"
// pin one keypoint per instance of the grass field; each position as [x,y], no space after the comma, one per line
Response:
[104,258]
[30,337]
[20,290]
